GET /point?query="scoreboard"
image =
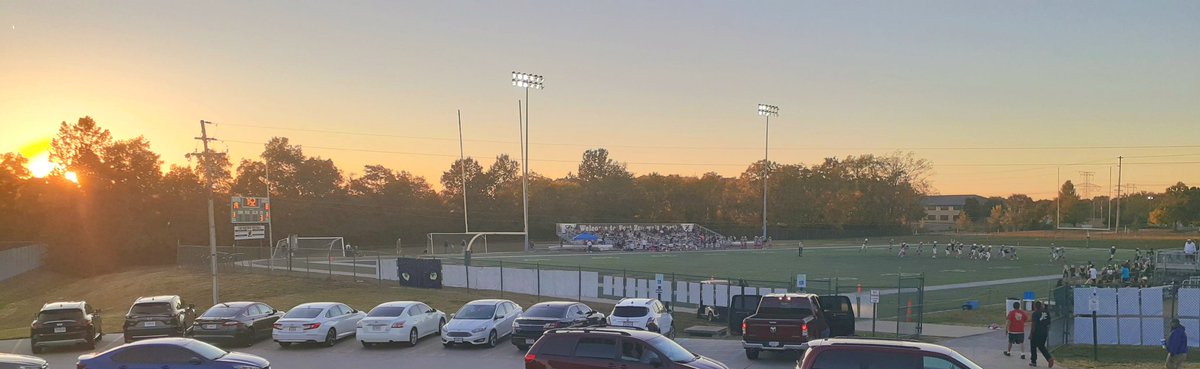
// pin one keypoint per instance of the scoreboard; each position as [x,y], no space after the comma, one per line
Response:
[249,210]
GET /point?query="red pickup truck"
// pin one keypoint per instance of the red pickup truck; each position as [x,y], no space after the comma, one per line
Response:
[788,321]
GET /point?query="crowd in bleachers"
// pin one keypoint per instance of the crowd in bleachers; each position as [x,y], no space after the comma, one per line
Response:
[1136,272]
[648,237]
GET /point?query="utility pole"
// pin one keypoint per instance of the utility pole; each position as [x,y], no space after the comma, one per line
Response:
[1120,159]
[212,226]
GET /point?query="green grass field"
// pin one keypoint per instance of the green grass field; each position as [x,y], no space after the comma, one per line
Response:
[875,267]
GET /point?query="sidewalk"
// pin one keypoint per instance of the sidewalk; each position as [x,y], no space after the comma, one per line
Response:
[863,326]
[986,350]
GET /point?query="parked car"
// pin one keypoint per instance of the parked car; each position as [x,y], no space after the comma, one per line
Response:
[481,322]
[550,315]
[876,353]
[239,322]
[66,323]
[171,352]
[316,322]
[11,361]
[158,316]
[644,313]
[788,321]
[399,321]
[568,348]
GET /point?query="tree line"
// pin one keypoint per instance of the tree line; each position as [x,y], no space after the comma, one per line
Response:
[125,209]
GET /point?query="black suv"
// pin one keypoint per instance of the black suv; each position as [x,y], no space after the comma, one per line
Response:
[569,348]
[158,316]
[550,315]
[66,323]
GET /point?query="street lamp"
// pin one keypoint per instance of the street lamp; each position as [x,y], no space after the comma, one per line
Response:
[767,111]
[526,81]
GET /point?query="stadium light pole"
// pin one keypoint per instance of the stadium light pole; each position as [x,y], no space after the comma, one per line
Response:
[462,167]
[767,111]
[526,81]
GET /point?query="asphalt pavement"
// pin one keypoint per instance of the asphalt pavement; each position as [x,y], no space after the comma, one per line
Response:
[428,353]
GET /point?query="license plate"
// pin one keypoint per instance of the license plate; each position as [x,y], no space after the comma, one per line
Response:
[529,341]
[60,330]
[293,329]
[150,324]
[458,340]
[377,328]
[210,326]
[773,344]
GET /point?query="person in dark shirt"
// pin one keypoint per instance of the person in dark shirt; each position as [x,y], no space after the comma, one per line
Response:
[1177,347]
[1039,334]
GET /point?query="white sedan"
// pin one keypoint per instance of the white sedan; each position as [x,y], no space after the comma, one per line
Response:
[399,321]
[481,322]
[316,322]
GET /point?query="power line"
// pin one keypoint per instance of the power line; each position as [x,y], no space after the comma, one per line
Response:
[659,147]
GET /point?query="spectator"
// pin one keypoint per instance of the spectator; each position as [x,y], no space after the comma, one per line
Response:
[1016,328]
[1040,333]
[1189,249]
[1176,346]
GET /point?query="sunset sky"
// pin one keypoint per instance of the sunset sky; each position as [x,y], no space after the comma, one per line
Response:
[999,95]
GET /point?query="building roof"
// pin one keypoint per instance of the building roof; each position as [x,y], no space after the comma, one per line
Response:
[948,200]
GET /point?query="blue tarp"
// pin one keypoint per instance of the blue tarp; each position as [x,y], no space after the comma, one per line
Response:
[585,237]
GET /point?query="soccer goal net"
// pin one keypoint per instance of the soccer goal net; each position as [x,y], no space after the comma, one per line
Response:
[454,243]
[311,247]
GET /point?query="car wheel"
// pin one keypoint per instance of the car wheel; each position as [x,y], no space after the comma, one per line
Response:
[491,342]
[365,343]
[653,328]
[441,323]
[285,344]
[412,337]
[671,335]
[331,338]
[446,345]
[752,354]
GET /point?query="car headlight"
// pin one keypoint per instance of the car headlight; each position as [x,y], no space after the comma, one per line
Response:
[359,324]
[480,329]
[515,325]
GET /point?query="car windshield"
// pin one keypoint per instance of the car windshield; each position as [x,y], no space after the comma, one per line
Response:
[151,308]
[673,350]
[545,311]
[60,314]
[303,313]
[784,307]
[630,311]
[386,311]
[221,312]
[206,350]
[476,312]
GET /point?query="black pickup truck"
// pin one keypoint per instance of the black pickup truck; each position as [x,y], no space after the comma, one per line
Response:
[788,321]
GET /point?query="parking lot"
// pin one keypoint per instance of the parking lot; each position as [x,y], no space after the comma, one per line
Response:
[428,353]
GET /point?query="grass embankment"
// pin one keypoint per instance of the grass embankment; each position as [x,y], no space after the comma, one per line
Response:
[22,296]
[1113,357]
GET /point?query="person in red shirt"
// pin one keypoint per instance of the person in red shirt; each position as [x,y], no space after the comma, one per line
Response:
[1016,328]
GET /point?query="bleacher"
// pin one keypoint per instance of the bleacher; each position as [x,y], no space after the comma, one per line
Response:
[642,236]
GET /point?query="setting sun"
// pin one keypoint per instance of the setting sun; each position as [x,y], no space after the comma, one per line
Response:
[38,153]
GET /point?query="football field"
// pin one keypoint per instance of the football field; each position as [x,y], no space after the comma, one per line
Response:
[877,265]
